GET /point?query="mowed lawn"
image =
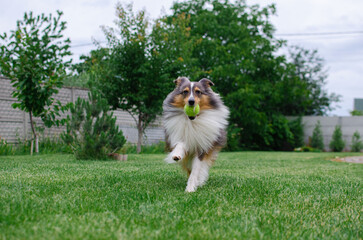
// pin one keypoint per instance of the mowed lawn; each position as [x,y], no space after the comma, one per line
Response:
[250,195]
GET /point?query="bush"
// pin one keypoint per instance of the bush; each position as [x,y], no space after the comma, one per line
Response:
[92,132]
[279,137]
[233,138]
[297,130]
[337,144]
[46,146]
[307,149]
[357,144]
[317,140]
[5,148]
[356,113]
[280,134]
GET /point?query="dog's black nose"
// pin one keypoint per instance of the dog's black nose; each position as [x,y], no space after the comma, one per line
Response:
[191,101]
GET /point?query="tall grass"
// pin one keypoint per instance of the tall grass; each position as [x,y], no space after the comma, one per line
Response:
[22,147]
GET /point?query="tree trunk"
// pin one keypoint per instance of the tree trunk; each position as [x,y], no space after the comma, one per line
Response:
[31,147]
[139,138]
[35,136]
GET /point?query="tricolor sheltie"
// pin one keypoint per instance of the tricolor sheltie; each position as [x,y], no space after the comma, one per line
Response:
[194,142]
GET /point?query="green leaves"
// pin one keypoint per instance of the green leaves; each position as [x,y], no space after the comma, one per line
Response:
[337,143]
[317,140]
[135,72]
[310,71]
[92,131]
[32,57]
[357,144]
[233,44]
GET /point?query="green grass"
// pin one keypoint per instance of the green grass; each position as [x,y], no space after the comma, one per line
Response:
[250,195]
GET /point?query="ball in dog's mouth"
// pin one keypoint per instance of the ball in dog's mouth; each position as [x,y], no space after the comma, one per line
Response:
[191,111]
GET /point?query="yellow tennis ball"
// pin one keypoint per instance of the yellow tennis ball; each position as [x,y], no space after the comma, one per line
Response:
[191,111]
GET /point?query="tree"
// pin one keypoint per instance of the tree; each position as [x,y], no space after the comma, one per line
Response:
[357,144]
[356,113]
[337,143]
[92,132]
[317,140]
[84,72]
[32,57]
[309,68]
[296,126]
[235,47]
[137,74]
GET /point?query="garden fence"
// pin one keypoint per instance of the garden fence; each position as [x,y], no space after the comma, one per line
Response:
[15,124]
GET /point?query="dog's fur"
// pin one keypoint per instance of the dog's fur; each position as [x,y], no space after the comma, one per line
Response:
[194,142]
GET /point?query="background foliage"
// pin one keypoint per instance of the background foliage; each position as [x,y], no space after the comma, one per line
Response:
[235,47]
[357,144]
[229,42]
[317,140]
[32,56]
[92,132]
[337,143]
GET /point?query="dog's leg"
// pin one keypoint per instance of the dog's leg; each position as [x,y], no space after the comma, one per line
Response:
[199,174]
[177,154]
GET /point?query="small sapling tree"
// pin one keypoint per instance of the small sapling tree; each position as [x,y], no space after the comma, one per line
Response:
[32,57]
[357,144]
[337,143]
[92,132]
[317,140]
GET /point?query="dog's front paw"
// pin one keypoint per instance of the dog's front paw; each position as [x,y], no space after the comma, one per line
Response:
[191,188]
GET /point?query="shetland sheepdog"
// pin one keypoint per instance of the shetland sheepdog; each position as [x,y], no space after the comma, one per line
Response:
[194,142]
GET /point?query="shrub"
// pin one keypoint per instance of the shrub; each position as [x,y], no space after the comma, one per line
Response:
[337,144]
[317,140]
[357,144]
[279,135]
[233,138]
[297,130]
[306,149]
[356,113]
[47,145]
[92,132]
[5,148]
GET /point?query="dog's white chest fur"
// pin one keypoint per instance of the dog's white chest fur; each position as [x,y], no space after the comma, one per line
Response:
[198,135]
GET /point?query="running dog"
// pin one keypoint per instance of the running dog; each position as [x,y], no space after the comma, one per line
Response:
[195,141]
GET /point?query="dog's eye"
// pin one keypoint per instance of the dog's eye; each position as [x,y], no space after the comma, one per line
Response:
[185,92]
[198,92]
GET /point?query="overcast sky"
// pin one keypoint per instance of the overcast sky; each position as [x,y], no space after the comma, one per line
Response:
[343,52]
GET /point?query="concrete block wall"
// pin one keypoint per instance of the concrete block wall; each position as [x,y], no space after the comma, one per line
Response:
[348,125]
[15,124]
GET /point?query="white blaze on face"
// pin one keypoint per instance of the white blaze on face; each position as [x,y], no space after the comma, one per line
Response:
[191,90]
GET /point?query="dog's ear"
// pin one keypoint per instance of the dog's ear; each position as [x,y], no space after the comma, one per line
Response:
[206,82]
[180,80]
